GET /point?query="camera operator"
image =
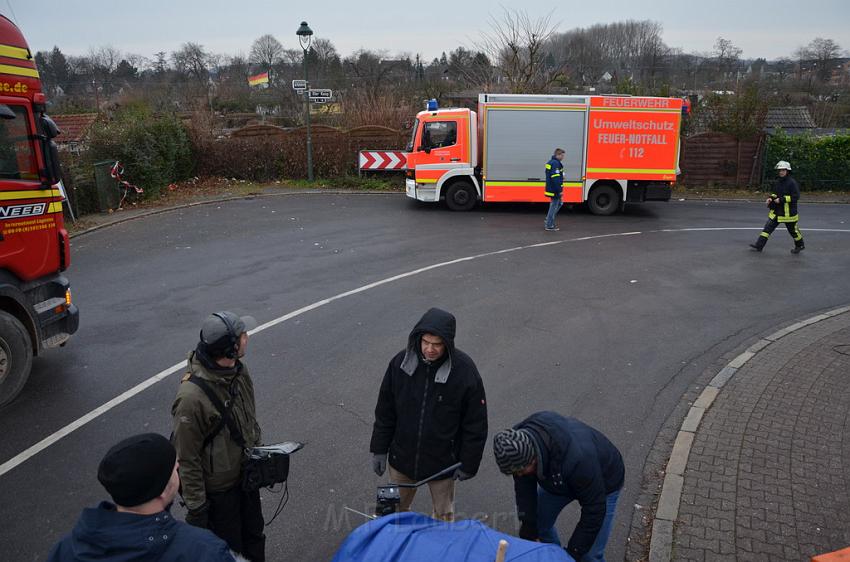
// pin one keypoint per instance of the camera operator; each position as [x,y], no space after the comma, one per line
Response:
[214,422]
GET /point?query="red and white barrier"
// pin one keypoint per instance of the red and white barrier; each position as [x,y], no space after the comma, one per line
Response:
[383,160]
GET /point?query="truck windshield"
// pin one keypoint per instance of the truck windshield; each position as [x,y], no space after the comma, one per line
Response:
[17,157]
[414,129]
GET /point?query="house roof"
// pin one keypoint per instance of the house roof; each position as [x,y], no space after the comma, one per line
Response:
[789,118]
[74,127]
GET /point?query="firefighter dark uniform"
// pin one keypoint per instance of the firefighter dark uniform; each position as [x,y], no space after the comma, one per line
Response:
[554,188]
[787,190]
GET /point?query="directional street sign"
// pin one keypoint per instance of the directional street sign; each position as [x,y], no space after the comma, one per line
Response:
[299,85]
[315,95]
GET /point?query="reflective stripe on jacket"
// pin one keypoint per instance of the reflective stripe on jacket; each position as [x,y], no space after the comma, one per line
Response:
[788,192]
[554,178]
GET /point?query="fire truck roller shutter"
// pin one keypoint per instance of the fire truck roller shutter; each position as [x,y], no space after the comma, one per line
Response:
[520,141]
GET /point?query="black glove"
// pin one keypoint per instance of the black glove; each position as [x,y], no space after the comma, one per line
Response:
[460,475]
[379,464]
[528,532]
[199,517]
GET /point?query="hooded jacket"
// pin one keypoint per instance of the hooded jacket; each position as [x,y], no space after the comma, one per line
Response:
[430,416]
[103,533]
[573,460]
[554,177]
[788,191]
[217,467]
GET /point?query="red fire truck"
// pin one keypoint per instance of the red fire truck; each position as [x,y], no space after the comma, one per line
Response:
[36,312]
[619,149]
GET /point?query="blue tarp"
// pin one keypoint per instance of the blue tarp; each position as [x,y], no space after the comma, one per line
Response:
[413,537]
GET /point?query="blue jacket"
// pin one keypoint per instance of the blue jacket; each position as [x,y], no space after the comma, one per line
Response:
[554,177]
[102,533]
[576,461]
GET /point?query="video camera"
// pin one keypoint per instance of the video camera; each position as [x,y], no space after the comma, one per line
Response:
[389,496]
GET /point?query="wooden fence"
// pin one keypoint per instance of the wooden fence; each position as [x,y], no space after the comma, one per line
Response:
[721,160]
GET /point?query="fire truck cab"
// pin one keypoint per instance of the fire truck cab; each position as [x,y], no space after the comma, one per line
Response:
[619,149]
[36,312]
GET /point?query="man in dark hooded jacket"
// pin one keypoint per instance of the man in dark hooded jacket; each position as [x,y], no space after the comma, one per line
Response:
[431,414]
[140,473]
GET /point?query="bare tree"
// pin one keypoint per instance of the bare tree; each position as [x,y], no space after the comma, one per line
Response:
[517,45]
[266,52]
[194,63]
[101,64]
[727,56]
[823,53]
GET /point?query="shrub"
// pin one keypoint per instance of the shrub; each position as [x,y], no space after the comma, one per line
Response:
[818,163]
[154,150]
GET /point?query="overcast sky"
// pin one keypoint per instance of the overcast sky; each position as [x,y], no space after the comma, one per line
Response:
[762,28]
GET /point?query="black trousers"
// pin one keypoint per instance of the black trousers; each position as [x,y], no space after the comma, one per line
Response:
[771,225]
[237,518]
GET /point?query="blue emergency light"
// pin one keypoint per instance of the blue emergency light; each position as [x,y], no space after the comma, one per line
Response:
[432,105]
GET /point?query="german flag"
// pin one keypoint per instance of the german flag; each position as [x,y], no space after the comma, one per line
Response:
[258,79]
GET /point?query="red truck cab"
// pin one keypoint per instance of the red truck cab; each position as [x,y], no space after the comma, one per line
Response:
[36,311]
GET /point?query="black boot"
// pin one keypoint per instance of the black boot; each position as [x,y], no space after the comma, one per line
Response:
[798,247]
[759,245]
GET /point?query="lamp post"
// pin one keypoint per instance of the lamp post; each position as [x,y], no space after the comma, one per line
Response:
[305,37]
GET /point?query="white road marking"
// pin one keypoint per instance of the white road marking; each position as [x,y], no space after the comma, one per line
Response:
[28,453]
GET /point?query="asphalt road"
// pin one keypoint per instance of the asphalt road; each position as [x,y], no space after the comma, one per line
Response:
[611,329]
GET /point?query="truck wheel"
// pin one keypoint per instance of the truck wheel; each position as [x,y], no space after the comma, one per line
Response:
[15,357]
[604,200]
[461,196]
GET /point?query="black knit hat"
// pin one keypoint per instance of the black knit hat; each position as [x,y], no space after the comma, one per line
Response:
[137,469]
[513,450]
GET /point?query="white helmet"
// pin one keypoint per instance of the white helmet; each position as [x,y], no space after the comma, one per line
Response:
[783,165]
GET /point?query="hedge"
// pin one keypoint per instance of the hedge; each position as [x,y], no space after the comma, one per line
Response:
[818,163]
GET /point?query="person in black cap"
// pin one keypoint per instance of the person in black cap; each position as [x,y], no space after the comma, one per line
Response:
[215,422]
[140,474]
[431,414]
[555,460]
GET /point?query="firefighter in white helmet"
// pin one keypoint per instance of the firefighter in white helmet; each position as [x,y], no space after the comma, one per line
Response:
[782,205]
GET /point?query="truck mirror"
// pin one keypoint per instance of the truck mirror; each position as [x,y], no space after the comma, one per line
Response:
[53,168]
[6,113]
[49,127]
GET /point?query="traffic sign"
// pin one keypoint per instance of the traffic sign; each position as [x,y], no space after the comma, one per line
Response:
[299,85]
[315,95]
[320,100]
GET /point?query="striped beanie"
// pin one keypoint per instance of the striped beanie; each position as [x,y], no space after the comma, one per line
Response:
[513,450]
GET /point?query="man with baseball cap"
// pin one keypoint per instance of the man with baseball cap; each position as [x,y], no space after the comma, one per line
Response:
[214,423]
[555,460]
[140,473]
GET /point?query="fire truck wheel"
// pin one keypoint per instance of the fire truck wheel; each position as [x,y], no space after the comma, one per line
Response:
[461,196]
[604,200]
[15,357]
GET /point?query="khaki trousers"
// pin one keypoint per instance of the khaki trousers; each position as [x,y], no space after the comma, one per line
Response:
[442,495]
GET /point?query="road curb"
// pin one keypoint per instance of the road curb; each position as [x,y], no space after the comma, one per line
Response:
[163,210]
[667,511]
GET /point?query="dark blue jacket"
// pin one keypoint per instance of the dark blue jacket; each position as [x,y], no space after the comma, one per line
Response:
[102,533]
[575,461]
[554,177]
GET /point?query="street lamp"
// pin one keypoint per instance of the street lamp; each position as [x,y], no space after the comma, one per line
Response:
[305,37]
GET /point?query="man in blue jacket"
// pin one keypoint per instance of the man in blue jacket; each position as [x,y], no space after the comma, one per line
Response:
[554,187]
[555,460]
[140,473]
